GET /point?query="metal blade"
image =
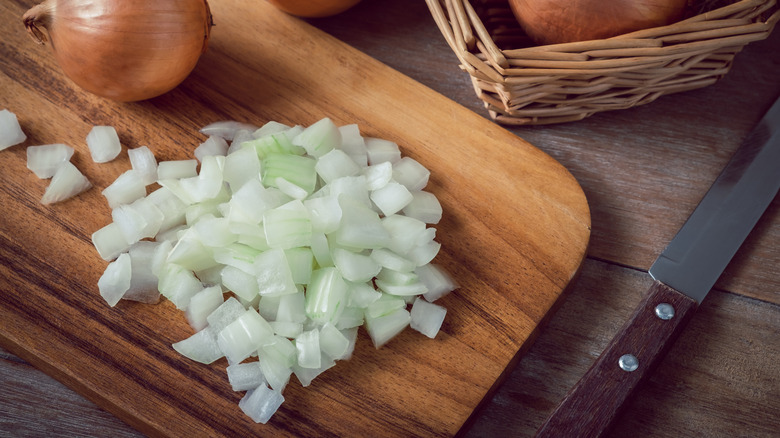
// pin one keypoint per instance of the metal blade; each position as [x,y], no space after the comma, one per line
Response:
[704,246]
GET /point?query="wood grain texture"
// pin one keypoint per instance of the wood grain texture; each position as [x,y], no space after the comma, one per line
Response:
[720,378]
[512,263]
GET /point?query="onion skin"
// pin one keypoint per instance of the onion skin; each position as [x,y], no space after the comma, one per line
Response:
[123,50]
[563,21]
[314,8]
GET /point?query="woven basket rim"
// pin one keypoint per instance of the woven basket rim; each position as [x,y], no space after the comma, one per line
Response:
[532,84]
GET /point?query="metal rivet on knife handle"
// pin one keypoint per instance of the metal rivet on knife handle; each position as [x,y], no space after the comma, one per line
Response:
[628,362]
[664,311]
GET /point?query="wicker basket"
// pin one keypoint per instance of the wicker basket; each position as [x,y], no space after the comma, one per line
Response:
[523,84]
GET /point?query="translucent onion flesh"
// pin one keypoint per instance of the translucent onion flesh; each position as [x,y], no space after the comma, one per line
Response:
[275,281]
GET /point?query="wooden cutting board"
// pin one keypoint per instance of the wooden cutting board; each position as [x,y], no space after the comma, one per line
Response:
[515,230]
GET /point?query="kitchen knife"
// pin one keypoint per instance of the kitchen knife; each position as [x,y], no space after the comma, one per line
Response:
[683,275]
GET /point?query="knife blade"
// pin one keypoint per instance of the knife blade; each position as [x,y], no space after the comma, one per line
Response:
[682,276]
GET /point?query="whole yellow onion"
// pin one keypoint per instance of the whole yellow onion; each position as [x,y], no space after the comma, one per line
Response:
[124,50]
[314,8]
[563,21]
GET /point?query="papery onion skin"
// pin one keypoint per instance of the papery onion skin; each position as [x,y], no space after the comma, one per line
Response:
[314,8]
[563,21]
[124,50]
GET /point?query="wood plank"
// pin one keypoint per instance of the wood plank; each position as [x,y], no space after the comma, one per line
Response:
[512,260]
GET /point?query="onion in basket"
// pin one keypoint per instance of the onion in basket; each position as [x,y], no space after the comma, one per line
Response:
[562,21]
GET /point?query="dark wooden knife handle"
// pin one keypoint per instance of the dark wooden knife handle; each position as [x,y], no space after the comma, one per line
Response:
[589,409]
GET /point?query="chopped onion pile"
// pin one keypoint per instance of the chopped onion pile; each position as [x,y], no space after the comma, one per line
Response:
[11,133]
[278,243]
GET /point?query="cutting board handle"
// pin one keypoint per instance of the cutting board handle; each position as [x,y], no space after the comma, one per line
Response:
[589,409]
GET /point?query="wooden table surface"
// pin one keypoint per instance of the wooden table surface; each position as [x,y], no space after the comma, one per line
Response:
[643,171]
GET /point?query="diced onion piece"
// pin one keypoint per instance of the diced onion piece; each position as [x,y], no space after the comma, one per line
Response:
[127,188]
[351,335]
[201,347]
[144,260]
[244,336]
[333,342]
[307,375]
[400,283]
[178,284]
[383,328]
[115,280]
[261,403]
[355,266]
[277,373]
[427,317]
[319,138]
[245,376]
[66,183]
[378,175]
[287,226]
[214,145]
[225,314]
[177,169]
[301,262]
[308,346]
[271,127]
[291,308]
[296,169]
[172,208]
[380,150]
[409,172]
[336,164]
[351,317]
[202,305]
[320,247]
[391,198]
[45,159]
[276,143]
[109,241]
[385,305]
[103,143]
[11,133]
[362,294]
[241,166]
[352,187]
[138,220]
[324,213]
[286,329]
[290,189]
[281,350]
[438,282]
[360,226]
[144,163]
[273,273]
[353,144]
[190,253]
[209,183]
[226,129]
[425,207]
[241,283]
[326,296]
[386,258]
